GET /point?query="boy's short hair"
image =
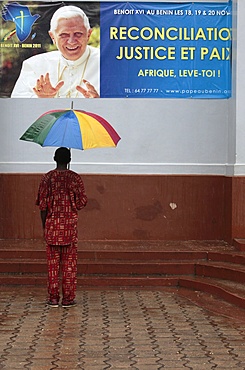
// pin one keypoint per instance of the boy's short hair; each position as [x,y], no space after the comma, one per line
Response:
[62,155]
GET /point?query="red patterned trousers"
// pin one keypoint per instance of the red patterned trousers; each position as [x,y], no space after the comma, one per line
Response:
[62,260]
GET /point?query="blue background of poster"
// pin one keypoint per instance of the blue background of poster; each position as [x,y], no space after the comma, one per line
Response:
[186,73]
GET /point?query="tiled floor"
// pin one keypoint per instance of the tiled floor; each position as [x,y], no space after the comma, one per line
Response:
[116,329]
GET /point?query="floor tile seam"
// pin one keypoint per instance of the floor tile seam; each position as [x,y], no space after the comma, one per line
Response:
[172,328]
[15,332]
[105,331]
[58,341]
[201,343]
[131,348]
[150,330]
[84,330]
[36,336]
[197,332]
[226,341]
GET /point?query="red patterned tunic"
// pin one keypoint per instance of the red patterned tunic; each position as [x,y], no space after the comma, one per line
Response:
[62,194]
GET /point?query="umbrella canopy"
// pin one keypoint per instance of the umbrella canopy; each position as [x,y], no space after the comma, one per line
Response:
[72,129]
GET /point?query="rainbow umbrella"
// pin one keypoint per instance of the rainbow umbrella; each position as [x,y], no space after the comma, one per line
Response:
[70,128]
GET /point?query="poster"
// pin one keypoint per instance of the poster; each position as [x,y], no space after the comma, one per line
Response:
[166,50]
[147,49]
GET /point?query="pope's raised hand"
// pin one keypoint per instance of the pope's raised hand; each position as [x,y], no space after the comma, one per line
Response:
[44,89]
[89,91]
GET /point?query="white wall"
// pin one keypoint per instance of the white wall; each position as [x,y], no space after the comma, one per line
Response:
[240,90]
[159,136]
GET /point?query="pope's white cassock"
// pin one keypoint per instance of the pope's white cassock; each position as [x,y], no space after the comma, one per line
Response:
[71,72]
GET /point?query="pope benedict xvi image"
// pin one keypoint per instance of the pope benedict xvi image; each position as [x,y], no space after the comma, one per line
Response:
[72,71]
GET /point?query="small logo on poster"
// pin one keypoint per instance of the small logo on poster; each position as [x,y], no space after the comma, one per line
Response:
[21,16]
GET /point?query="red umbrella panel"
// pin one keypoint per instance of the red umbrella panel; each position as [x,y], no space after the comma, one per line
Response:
[72,129]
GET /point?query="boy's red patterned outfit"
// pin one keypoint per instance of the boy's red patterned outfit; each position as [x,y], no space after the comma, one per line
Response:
[61,194]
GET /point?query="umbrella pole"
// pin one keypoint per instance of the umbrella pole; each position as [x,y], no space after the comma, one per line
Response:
[69,164]
[70,148]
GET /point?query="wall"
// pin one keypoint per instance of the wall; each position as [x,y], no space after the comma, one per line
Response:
[172,151]
[127,207]
[158,136]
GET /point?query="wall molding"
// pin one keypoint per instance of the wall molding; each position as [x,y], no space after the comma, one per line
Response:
[129,168]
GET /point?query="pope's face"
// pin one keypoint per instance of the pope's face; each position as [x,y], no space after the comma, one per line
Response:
[71,37]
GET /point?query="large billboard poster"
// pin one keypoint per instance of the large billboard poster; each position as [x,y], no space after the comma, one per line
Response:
[135,50]
[166,50]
